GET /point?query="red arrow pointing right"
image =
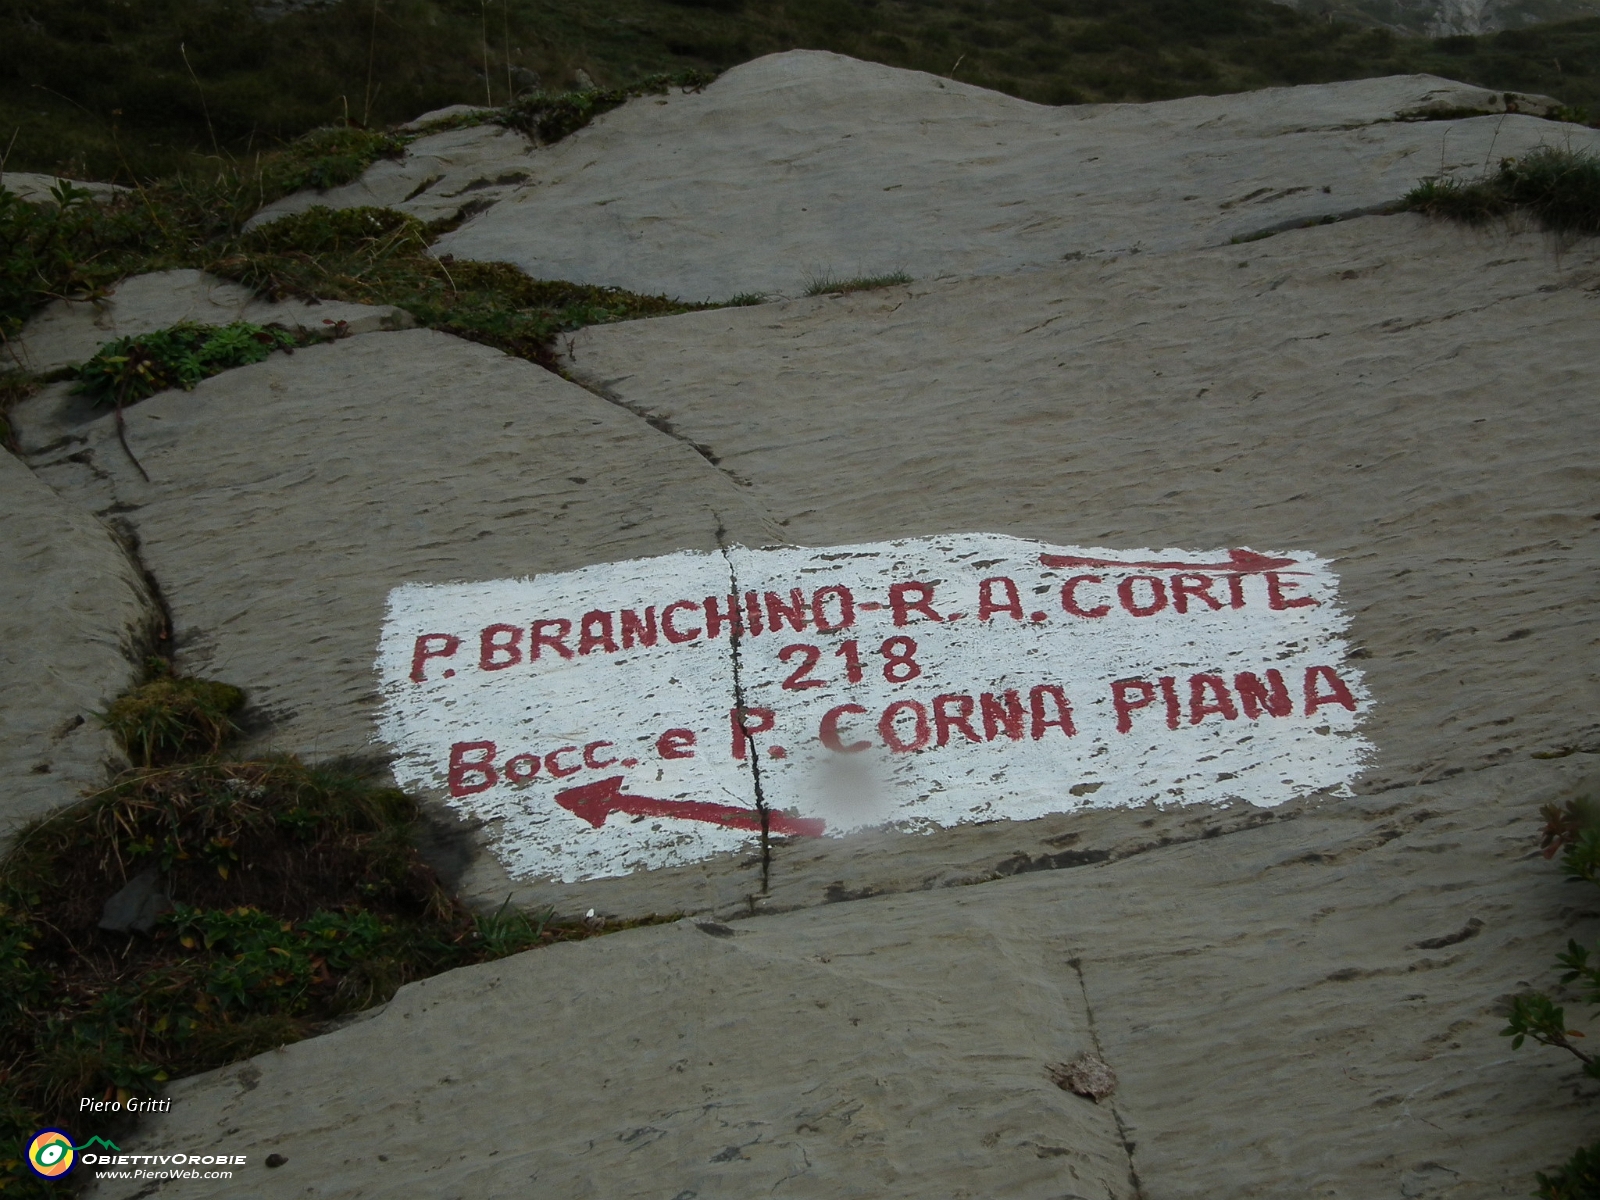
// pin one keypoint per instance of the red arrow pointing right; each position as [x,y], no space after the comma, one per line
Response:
[1240,562]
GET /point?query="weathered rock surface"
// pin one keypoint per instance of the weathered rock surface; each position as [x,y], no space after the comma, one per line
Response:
[1346,389]
[1296,1001]
[805,165]
[36,188]
[441,174]
[324,478]
[1307,1009]
[74,617]
[69,332]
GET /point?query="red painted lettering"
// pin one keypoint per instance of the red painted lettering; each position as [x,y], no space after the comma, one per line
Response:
[1337,692]
[1158,595]
[1257,698]
[1069,597]
[809,657]
[819,608]
[499,647]
[674,634]
[944,720]
[1197,586]
[1122,693]
[595,633]
[589,752]
[1169,693]
[987,604]
[520,768]
[752,606]
[676,743]
[744,732]
[793,612]
[636,632]
[1235,591]
[431,645]
[1063,717]
[716,619]
[554,766]
[1275,597]
[901,600]
[476,773]
[1001,714]
[828,733]
[555,641]
[1220,701]
[921,734]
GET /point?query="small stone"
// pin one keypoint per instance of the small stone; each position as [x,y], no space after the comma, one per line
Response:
[276,1160]
[1088,1075]
[138,906]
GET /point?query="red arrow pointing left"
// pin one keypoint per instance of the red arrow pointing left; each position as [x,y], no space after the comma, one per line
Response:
[596,801]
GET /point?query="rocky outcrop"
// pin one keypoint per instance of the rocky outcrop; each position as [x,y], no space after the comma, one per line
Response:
[803,166]
[77,619]
[1296,1000]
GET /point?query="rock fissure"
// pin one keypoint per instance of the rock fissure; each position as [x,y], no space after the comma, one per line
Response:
[735,636]
[658,423]
[1116,1113]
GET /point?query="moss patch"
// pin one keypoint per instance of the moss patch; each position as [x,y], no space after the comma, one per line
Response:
[378,256]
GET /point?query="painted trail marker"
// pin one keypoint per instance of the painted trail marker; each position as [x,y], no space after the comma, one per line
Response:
[655,712]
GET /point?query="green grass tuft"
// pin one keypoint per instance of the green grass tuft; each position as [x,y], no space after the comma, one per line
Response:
[375,256]
[173,717]
[1559,188]
[550,117]
[824,285]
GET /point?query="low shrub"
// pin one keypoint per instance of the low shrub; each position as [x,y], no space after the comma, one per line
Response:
[130,368]
[1558,187]
[1572,831]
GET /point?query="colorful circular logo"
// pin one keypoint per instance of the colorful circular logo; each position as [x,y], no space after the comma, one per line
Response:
[50,1154]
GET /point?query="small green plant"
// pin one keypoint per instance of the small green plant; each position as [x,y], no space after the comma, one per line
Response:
[1572,831]
[825,285]
[172,717]
[131,368]
[1558,187]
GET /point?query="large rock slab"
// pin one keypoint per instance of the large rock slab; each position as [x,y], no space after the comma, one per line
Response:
[807,165]
[75,618]
[286,499]
[68,332]
[1406,398]
[1307,1009]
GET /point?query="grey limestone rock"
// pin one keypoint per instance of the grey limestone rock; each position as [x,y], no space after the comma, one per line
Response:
[75,616]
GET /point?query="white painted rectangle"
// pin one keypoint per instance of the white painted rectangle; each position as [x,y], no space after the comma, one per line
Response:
[592,717]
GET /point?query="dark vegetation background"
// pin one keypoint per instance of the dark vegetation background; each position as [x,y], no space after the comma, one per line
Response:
[116,89]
